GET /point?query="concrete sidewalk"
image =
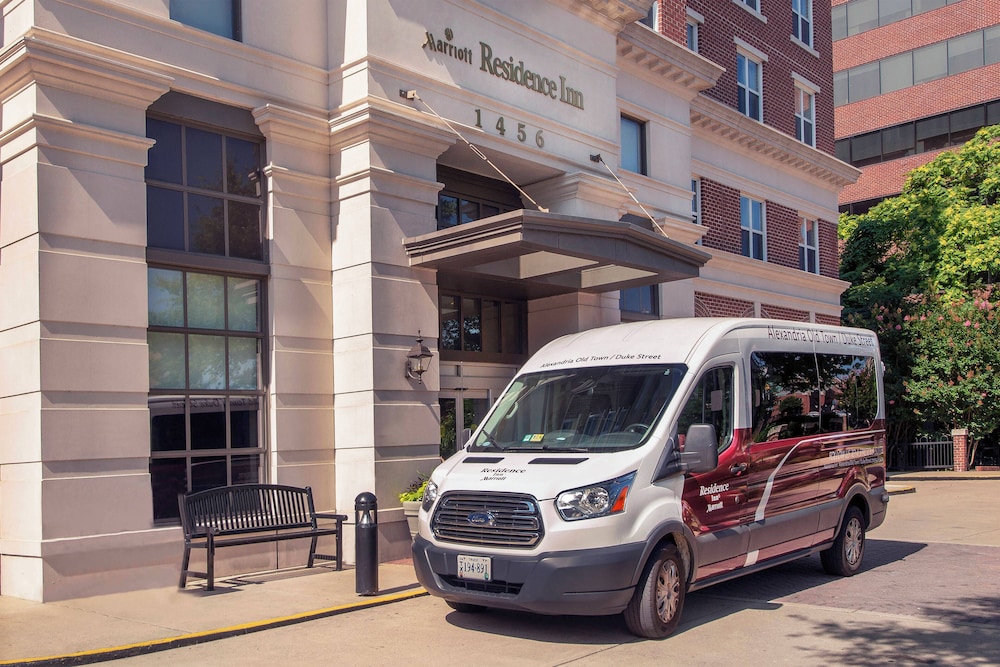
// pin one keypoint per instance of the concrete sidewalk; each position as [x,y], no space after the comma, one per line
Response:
[89,630]
[93,629]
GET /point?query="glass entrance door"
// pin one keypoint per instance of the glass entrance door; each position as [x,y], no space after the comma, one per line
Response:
[461,412]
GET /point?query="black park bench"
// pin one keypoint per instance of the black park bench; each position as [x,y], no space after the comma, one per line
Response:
[229,516]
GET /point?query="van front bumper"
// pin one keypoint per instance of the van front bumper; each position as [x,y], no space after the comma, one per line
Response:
[585,582]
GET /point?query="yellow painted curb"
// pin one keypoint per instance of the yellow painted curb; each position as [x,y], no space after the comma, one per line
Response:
[152,646]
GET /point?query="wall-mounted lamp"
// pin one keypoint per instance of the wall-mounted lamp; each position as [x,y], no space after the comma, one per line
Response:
[418,360]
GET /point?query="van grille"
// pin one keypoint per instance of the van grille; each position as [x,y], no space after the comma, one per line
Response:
[488,519]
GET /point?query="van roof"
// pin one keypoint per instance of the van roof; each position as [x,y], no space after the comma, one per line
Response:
[670,340]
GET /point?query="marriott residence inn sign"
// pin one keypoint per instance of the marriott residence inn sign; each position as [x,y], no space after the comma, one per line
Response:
[545,88]
[496,65]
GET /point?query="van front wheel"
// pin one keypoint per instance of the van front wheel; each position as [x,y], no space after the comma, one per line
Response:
[655,608]
[843,558]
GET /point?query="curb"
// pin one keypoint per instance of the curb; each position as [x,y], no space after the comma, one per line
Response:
[156,645]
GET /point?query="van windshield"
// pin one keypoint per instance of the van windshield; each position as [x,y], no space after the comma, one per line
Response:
[608,408]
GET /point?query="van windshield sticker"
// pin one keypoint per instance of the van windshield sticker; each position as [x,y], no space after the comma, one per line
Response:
[533,437]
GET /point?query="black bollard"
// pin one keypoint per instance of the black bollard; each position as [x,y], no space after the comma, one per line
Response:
[366,544]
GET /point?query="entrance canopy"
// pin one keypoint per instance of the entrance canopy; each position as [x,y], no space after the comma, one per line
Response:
[545,254]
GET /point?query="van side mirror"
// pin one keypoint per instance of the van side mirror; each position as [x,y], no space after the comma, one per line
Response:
[701,449]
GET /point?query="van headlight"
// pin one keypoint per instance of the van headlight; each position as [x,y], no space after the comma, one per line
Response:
[430,495]
[596,500]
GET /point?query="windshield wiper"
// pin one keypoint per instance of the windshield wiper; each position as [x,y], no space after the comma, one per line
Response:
[491,442]
[549,448]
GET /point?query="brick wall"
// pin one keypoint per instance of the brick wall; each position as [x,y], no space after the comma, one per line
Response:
[673,20]
[920,30]
[713,305]
[885,179]
[720,213]
[827,319]
[783,313]
[783,233]
[926,99]
[724,19]
[829,248]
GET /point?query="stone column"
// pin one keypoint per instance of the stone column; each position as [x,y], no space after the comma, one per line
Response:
[75,497]
[387,426]
[300,303]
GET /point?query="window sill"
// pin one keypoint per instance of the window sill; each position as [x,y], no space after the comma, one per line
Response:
[810,50]
[750,10]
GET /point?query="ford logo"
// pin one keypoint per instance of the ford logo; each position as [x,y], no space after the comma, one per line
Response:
[482,519]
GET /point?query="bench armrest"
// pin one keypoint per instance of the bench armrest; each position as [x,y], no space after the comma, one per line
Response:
[325,515]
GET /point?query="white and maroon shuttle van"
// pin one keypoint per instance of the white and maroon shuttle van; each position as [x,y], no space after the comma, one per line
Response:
[625,466]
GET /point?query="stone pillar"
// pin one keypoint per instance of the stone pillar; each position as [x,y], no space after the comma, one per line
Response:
[387,427]
[960,445]
[75,496]
[300,303]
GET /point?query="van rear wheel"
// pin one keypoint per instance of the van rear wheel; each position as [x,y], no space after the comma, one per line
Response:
[655,608]
[843,558]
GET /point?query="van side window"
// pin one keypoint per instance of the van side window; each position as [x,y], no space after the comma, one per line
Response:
[797,395]
[848,391]
[711,402]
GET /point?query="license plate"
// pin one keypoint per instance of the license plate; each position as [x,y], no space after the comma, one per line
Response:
[474,567]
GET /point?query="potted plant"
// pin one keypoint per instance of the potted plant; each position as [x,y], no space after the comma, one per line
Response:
[412,498]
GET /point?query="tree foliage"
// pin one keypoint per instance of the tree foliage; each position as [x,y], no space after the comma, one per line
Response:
[921,265]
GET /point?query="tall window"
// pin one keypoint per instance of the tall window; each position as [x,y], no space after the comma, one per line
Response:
[633,135]
[805,116]
[802,21]
[808,247]
[205,283]
[748,82]
[221,17]
[752,231]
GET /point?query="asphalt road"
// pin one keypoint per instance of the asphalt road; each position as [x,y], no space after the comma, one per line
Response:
[928,594]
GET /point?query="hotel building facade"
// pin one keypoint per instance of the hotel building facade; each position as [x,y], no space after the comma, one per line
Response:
[224,224]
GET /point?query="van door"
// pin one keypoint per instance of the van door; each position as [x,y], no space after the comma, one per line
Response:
[785,449]
[715,502]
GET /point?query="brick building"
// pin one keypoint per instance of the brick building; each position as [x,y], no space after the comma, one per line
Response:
[223,224]
[911,78]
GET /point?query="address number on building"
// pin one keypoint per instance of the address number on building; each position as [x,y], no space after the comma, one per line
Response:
[474,567]
[521,131]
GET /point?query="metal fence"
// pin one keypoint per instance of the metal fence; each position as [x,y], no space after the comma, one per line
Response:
[931,453]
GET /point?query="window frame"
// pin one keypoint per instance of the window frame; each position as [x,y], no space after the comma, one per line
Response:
[744,90]
[808,250]
[463,354]
[692,29]
[644,294]
[802,120]
[641,144]
[802,21]
[748,232]
[188,398]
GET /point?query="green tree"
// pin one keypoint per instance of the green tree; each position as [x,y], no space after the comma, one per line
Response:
[956,355]
[921,254]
